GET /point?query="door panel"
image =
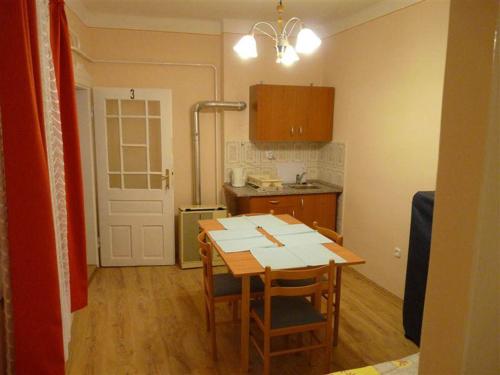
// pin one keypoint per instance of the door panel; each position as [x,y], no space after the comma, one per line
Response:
[134,156]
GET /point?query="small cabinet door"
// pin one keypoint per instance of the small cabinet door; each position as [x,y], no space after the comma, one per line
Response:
[319,126]
[271,113]
[318,207]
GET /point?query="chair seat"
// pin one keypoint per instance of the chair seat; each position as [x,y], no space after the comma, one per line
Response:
[226,284]
[288,311]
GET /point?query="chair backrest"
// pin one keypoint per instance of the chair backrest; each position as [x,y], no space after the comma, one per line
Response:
[273,289]
[205,251]
[330,233]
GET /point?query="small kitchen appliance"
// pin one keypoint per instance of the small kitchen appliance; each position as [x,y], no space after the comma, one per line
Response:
[237,177]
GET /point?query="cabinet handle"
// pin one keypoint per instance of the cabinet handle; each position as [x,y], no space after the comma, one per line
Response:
[292,131]
[300,130]
[301,202]
[274,202]
[293,212]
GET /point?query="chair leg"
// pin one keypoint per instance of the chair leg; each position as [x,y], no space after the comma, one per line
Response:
[267,354]
[207,318]
[336,311]
[328,346]
[328,354]
[212,334]
[235,311]
[301,341]
[309,352]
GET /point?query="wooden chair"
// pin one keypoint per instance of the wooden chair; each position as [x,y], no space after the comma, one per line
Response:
[330,233]
[222,287]
[285,310]
[338,239]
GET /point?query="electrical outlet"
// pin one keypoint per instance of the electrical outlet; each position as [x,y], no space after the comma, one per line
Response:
[397,252]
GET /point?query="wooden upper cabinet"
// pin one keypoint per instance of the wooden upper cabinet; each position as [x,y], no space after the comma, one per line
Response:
[291,113]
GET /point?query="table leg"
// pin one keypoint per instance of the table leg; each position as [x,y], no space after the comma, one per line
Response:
[245,322]
[338,285]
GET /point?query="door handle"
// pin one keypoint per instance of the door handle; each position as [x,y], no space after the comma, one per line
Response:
[166,178]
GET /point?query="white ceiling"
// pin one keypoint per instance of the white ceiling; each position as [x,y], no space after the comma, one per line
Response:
[214,16]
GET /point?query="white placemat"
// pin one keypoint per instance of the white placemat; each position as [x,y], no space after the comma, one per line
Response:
[240,222]
[302,239]
[288,229]
[266,221]
[232,246]
[314,254]
[276,258]
[234,234]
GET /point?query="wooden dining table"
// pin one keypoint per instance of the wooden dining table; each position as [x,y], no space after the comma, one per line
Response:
[243,264]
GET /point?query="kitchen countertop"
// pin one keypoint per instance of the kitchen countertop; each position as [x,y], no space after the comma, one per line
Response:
[247,191]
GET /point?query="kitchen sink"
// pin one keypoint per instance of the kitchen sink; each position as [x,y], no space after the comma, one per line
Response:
[304,186]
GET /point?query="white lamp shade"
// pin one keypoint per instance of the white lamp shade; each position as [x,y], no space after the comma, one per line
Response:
[307,41]
[246,48]
[289,56]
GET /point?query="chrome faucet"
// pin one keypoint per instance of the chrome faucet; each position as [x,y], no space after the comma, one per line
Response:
[299,177]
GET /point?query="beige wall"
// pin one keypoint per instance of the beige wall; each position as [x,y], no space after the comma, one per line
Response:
[188,85]
[461,317]
[388,75]
[80,65]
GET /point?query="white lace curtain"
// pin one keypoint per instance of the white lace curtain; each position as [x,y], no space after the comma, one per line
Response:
[55,157]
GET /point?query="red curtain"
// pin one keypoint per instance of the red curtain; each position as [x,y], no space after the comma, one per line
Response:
[61,51]
[33,262]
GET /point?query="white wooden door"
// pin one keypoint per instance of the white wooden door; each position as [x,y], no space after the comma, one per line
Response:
[133,129]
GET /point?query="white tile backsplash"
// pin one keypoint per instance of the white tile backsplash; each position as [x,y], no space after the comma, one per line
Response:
[232,154]
[323,161]
[250,153]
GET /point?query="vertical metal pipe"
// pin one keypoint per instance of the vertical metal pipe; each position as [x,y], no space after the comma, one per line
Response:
[197,157]
[235,106]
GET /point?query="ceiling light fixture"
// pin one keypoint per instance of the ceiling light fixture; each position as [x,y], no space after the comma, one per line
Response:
[286,54]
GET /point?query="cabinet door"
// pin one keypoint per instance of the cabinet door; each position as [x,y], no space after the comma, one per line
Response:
[320,115]
[270,113]
[318,207]
[280,204]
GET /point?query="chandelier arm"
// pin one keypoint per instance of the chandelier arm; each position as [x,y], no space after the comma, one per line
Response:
[255,27]
[265,33]
[293,22]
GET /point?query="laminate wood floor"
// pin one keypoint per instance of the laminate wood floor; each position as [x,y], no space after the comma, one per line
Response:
[150,320]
